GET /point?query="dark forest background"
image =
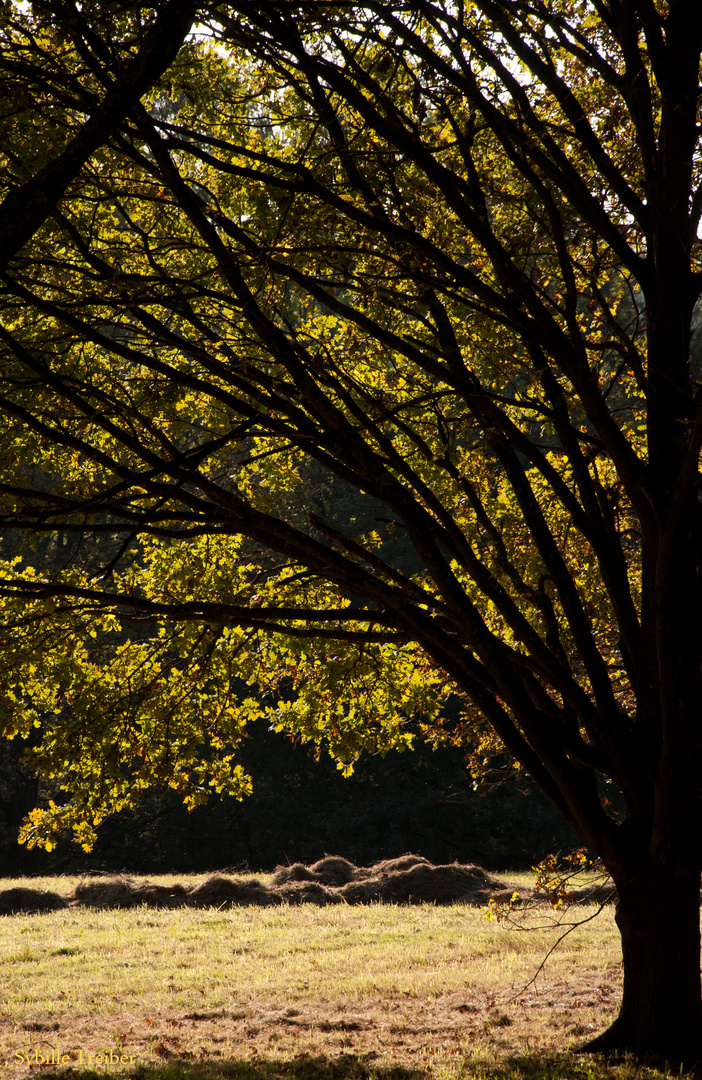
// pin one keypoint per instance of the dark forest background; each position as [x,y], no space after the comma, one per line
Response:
[419,801]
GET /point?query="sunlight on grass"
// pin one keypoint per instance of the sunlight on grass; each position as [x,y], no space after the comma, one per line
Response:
[285,953]
[421,990]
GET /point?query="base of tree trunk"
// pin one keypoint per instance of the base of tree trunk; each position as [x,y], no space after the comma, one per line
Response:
[658,915]
[615,1041]
[613,1044]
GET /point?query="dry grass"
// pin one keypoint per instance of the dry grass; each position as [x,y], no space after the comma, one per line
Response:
[323,993]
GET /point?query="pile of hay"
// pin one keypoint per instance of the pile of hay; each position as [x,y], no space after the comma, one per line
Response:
[220,891]
[126,893]
[332,880]
[410,879]
[27,901]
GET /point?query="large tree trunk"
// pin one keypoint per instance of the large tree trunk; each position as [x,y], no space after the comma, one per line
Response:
[658,915]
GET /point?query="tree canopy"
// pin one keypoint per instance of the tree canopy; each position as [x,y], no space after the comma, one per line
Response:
[352,379]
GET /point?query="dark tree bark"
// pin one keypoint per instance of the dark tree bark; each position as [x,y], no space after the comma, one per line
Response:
[658,915]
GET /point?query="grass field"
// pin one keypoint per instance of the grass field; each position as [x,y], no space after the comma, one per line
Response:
[309,992]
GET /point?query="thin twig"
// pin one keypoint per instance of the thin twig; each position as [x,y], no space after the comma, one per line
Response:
[573,926]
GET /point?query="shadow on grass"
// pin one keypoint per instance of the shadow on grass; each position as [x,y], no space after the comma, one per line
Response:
[534,1066]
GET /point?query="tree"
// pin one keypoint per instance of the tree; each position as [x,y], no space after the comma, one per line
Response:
[358,368]
[58,57]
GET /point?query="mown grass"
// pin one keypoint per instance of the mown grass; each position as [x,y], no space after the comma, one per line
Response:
[332,993]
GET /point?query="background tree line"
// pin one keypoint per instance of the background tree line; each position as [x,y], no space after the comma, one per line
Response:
[300,809]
